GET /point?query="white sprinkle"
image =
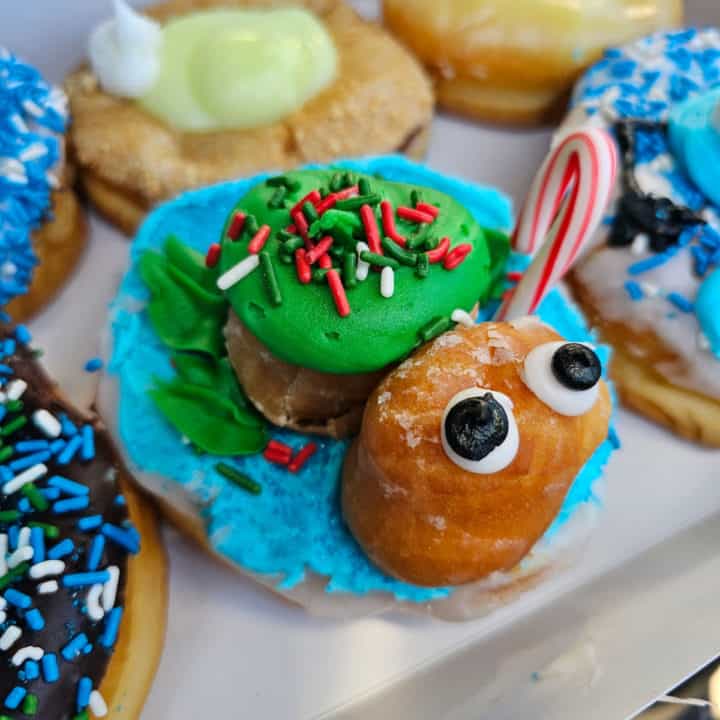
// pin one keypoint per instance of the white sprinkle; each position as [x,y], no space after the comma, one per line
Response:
[110,588]
[98,707]
[237,272]
[47,567]
[10,637]
[16,389]
[33,152]
[649,289]
[3,617]
[21,555]
[47,588]
[95,611]
[47,423]
[640,244]
[25,477]
[363,268]
[387,282]
[3,553]
[32,108]
[19,123]
[3,603]
[462,318]
[29,652]
[703,342]
[24,536]
[52,180]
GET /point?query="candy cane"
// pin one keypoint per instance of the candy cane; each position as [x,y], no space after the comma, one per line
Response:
[566,204]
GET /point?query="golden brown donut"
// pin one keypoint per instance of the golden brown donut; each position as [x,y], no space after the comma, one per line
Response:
[515,61]
[417,514]
[129,161]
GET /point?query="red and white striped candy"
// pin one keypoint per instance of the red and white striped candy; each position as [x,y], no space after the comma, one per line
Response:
[565,206]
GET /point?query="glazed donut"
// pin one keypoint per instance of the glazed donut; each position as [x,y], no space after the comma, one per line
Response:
[130,157]
[82,569]
[650,284]
[42,227]
[514,62]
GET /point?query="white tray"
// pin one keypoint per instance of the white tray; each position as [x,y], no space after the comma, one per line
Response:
[637,616]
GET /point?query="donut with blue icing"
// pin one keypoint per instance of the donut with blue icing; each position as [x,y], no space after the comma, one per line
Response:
[42,228]
[650,282]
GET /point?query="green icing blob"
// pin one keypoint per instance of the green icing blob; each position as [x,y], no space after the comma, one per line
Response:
[205,403]
[239,68]
[186,308]
[307,330]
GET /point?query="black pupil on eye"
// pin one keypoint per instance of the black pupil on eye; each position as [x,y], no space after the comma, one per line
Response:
[576,366]
[474,427]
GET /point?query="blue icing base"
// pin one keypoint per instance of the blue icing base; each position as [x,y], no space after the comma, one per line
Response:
[295,523]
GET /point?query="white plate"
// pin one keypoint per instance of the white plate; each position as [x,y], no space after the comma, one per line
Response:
[635,617]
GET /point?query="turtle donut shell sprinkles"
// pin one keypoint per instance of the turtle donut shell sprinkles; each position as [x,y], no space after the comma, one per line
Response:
[82,571]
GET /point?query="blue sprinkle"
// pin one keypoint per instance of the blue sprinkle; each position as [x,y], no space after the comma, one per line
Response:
[9,347]
[29,460]
[88,443]
[120,500]
[13,536]
[93,365]
[50,669]
[91,522]
[69,487]
[68,426]
[74,647]
[17,598]
[50,493]
[100,577]
[31,446]
[3,412]
[121,537]
[34,619]
[71,505]
[15,697]
[681,302]
[24,505]
[37,541]
[63,548]
[56,446]
[95,554]
[648,264]
[112,625]
[84,688]
[87,649]
[23,334]
[634,290]
[32,670]
[6,370]
[70,449]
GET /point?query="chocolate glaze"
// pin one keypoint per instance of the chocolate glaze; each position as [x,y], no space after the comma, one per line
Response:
[62,610]
[638,212]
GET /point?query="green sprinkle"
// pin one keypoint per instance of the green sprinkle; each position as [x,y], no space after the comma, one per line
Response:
[355,203]
[51,531]
[431,242]
[349,270]
[5,453]
[11,575]
[349,179]
[14,405]
[270,278]
[277,200]
[423,266]
[13,426]
[379,260]
[285,236]
[401,255]
[337,251]
[30,704]
[364,186]
[416,240]
[36,498]
[237,478]
[318,274]
[277,181]
[82,716]
[336,182]
[8,516]
[251,225]
[310,212]
[434,328]
[292,244]
[285,259]
[415,197]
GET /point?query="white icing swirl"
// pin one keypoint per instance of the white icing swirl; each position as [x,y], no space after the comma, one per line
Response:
[125,52]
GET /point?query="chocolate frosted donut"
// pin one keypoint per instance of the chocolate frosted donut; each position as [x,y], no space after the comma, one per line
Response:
[71,565]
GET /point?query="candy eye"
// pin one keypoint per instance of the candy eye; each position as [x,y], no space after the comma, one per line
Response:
[565,376]
[478,431]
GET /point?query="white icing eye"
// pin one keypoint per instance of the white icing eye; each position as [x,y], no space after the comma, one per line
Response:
[565,376]
[478,431]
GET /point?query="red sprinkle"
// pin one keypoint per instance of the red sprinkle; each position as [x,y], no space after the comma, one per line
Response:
[213,255]
[514,276]
[302,227]
[319,250]
[456,256]
[329,201]
[371,229]
[303,455]
[259,239]
[439,252]
[279,449]
[276,457]
[338,292]
[291,229]
[325,262]
[301,267]
[414,215]
[237,224]
[388,221]
[428,209]
[313,196]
